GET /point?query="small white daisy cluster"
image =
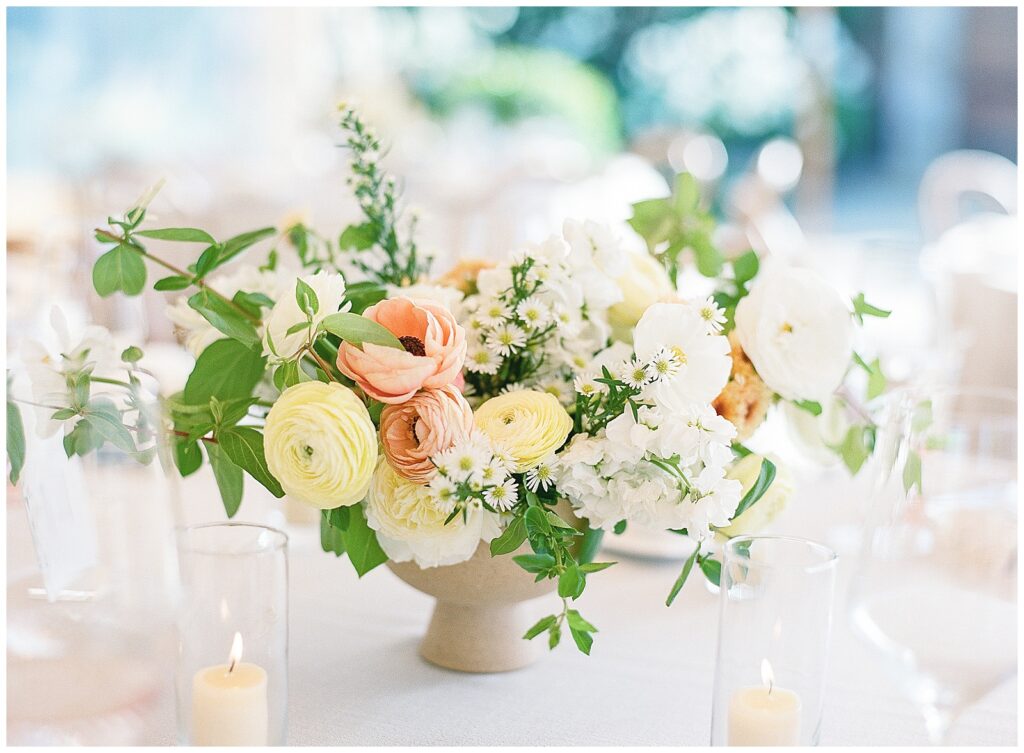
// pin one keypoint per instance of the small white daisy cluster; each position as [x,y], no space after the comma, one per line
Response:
[473,473]
[654,451]
[541,317]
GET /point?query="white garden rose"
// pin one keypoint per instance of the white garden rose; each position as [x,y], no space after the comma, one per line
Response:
[410,526]
[278,344]
[321,444]
[644,283]
[704,357]
[798,333]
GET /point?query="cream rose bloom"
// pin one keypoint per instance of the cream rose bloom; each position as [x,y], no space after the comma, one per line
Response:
[644,283]
[530,425]
[321,444]
[278,345]
[746,470]
[409,525]
[798,333]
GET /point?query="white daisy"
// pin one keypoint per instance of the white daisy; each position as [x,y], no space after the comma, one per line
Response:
[542,476]
[493,312]
[483,361]
[533,312]
[503,457]
[506,339]
[503,496]
[586,385]
[443,494]
[665,364]
[712,316]
[634,373]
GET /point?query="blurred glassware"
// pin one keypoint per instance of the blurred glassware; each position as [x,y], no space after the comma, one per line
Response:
[935,590]
[955,176]
[90,645]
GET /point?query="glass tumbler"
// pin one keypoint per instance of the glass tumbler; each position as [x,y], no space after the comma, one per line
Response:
[775,623]
[232,673]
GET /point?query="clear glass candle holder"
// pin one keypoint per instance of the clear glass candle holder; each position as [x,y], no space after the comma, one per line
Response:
[232,673]
[776,618]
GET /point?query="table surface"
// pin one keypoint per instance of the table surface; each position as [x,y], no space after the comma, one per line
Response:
[356,677]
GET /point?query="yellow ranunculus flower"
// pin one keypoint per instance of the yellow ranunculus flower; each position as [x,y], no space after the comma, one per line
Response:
[746,470]
[645,283]
[321,444]
[527,423]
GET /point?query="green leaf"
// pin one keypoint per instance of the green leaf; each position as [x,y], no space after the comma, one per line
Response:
[244,446]
[306,298]
[358,237]
[712,570]
[288,374]
[620,528]
[912,472]
[187,456]
[554,635]
[120,268]
[571,582]
[862,308]
[131,354]
[709,259]
[537,526]
[174,282]
[510,539]
[229,478]
[584,640]
[103,417]
[208,261]
[535,563]
[232,247]
[856,447]
[764,481]
[15,441]
[576,622]
[183,234]
[331,539]
[812,407]
[745,267]
[357,330]
[225,318]
[545,623]
[64,414]
[595,567]
[686,194]
[82,440]
[227,370]
[681,580]
[339,517]
[361,543]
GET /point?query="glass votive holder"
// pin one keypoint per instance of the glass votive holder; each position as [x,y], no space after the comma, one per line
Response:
[232,673]
[774,627]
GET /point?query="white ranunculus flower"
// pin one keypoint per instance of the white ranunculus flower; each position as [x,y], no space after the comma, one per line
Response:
[277,343]
[705,357]
[197,332]
[410,526]
[798,333]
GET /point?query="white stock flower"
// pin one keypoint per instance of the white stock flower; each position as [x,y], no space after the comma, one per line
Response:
[704,358]
[798,333]
[330,292]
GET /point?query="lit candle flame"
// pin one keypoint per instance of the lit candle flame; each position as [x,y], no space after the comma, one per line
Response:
[236,652]
[767,676]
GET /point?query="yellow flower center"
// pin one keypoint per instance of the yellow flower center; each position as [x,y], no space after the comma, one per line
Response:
[679,353]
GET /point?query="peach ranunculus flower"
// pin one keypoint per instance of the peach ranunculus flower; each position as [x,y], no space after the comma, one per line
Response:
[426,424]
[434,350]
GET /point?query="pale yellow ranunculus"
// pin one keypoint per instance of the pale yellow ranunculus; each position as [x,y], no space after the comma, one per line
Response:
[321,444]
[764,511]
[645,282]
[529,424]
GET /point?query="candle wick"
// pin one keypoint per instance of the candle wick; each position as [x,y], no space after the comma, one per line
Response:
[770,686]
[231,666]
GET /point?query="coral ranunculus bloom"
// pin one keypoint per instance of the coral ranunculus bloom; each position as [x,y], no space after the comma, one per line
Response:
[434,349]
[428,423]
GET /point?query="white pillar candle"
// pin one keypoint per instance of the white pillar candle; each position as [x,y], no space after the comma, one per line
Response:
[229,702]
[767,715]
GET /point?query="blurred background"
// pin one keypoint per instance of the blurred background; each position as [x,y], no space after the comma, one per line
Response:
[849,138]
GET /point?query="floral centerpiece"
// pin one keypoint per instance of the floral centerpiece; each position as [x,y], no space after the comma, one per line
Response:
[429,416]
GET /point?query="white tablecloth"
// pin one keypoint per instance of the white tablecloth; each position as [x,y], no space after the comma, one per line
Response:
[356,677]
